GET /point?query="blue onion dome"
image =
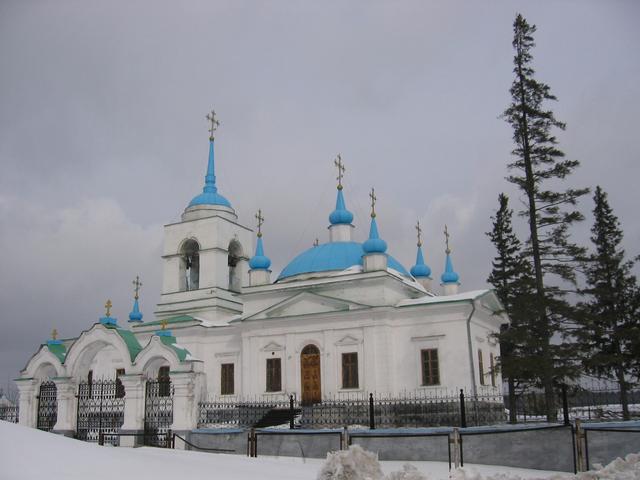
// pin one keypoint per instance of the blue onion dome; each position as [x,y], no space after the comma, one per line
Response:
[340,215]
[420,269]
[374,244]
[136,314]
[449,275]
[332,257]
[210,195]
[259,261]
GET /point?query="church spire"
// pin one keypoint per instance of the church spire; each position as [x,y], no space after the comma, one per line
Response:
[450,279]
[210,195]
[259,273]
[420,269]
[374,244]
[340,216]
[136,315]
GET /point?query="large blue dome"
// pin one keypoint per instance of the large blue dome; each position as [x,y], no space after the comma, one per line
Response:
[332,256]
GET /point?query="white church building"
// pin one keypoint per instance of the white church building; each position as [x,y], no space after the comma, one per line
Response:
[342,318]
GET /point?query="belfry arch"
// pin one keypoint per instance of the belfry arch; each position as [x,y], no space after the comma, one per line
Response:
[234,257]
[189,265]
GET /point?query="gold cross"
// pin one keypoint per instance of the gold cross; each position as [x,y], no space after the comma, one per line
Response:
[108,306]
[54,334]
[214,123]
[316,242]
[260,220]
[446,240]
[373,198]
[419,233]
[338,163]
[137,284]
[164,322]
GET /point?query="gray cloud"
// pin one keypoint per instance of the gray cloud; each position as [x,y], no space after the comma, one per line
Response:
[103,139]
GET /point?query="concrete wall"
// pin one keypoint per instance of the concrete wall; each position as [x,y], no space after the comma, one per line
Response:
[538,448]
[605,447]
[225,439]
[414,448]
[301,443]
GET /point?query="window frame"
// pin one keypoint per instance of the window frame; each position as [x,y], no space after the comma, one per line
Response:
[229,377]
[350,379]
[271,379]
[427,368]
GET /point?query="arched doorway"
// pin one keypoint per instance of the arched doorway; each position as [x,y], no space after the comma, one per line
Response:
[310,375]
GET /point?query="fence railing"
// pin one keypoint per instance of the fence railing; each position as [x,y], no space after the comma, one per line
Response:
[9,413]
[411,409]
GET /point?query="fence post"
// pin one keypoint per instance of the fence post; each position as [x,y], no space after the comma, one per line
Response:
[168,439]
[580,448]
[565,404]
[100,438]
[463,413]
[344,439]
[291,412]
[455,441]
[372,420]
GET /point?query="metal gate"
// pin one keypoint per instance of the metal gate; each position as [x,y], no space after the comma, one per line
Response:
[47,406]
[100,411]
[158,412]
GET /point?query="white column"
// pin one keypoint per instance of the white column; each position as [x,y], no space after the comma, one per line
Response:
[450,288]
[186,389]
[133,409]
[374,261]
[259,277]
[66,389]
[28,389]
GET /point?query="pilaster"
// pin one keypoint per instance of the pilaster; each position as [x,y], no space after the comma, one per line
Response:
[133,409]
[187,389]
[66,389]
[28,389]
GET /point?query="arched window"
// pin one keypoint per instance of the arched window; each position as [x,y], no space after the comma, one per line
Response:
[190,266]
[233,260]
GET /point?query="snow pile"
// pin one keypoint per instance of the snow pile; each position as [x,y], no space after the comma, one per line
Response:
[620,469]
[358,464]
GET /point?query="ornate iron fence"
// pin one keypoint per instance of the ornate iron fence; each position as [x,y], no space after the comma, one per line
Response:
[47,406]
[411,409]
[9,413]
[158,412]
[100,411]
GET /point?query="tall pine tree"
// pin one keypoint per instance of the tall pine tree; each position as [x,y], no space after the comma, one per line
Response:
[609,328]
[511,277]
[539,166]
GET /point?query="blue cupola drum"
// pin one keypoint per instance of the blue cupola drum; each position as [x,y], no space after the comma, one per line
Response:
[135,315]
[340,216]
[420,269]
[449,275]
[259,261]
[374,244]
[210,195]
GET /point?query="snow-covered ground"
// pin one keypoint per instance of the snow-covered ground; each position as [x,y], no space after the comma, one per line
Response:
[29,454]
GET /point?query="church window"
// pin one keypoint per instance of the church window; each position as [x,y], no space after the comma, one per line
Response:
[226,379]
[274,375]
[481,367]
[190,266]
[492,366]
[164,382]
[430,368]
[350,370]
[119,385]
[233,262]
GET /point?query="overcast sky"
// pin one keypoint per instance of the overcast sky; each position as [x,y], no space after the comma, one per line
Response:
[103,137]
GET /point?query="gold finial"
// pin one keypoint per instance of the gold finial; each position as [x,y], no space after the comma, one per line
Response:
[213,122]
[164,322]
[54,334]
[419,230]
[108,306]
[373,198]
[137,284]
[316,242]
[260,220]
[446,240]
[338,163]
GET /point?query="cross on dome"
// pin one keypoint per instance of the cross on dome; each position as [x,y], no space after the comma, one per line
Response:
[214,123]
[419,230]
[373,198]
[260,220]
[108,306]
[338,163]
[137,284]
[446,240]
[54,334]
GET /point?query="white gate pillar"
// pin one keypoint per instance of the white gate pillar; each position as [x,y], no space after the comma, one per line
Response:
[28,403]
[187,387]
[133,410]
[67,406]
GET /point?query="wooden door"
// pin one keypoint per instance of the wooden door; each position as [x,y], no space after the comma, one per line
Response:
[310,374]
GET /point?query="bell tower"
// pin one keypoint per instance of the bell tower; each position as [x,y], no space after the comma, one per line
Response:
[205,255]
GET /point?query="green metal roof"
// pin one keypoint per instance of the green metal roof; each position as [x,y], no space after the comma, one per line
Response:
[172,320]
[129,339]
[59,350]
[170,342]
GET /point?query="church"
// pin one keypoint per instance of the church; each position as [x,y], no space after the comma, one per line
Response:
[342,319]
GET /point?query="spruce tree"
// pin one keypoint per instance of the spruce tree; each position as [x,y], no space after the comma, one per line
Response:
[609,329]
[540,166]
[511,278]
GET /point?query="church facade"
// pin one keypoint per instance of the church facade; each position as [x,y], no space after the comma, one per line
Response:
[342,318]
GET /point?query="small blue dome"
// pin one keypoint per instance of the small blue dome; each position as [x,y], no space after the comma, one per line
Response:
[374,244]
[333,256]
[420,269]
[210,195]
[340,215]
[259,261]
[449,275]
[136,314]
